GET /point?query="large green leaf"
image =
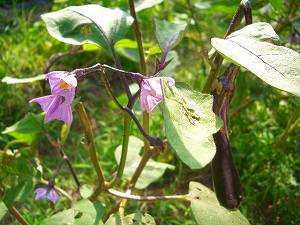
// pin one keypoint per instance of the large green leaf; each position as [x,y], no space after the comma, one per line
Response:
[88,24]
[65,217]
[13,80]
[168,34]
[152,171]
[89,213]
[251,48]
[27,128]
[207,211]
[3,210]
[132,219]
[190,123]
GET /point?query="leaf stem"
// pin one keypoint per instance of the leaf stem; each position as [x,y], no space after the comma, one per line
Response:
[145,198]
[18,216]
[91,144]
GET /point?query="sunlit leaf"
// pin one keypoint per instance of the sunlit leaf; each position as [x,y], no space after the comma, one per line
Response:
[27,128]
[88,24]
[168,34]
[152,171]
[65,217]
[207,211]
[132,219]
[145,4]
[251,48]
[12,80]
[190,123]
[89,213]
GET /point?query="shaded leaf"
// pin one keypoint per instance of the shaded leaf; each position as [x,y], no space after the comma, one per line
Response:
[152,171]
[3,210]
[132,219]
[170,69]
[27,128]
[207,211]
[88,24]
[168,34]
[250,47]
[13,80]
[65,217]
[89,213]
[190,123]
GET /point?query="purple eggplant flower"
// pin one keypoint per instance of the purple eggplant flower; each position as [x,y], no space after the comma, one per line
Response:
[46,193]
[57,106]
[151,92]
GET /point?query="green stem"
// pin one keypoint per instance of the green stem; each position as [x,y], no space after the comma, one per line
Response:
[127,128]
[91,145]
[146,156]
[290,127]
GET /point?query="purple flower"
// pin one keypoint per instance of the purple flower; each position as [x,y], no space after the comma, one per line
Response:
[151,92]
[46,193]
[57,106]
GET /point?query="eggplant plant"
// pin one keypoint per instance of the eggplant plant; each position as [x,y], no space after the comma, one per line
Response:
[196,122]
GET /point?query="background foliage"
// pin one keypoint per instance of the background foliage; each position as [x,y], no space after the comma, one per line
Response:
[264,121]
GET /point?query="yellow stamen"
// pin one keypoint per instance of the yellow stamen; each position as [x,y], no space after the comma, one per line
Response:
[64,85]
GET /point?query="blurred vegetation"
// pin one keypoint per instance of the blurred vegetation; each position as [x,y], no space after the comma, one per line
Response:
[265,148]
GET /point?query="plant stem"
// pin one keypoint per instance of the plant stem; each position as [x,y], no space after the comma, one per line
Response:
[283,136]
[243,10]
[145,198]
[146,156]
[127,128]
[91,144]
[18,216]
[143,68]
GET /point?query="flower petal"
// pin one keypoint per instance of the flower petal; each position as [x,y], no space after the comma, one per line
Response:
[44,101]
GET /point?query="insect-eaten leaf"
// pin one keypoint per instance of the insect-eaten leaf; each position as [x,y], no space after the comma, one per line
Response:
[132,219]
[190,123]
[207,211]
[88,24]
[152,171]
[252,47]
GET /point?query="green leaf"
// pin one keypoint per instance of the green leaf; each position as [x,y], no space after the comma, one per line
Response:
[132,219]
[27,128]
[88,24]
[207,211]
[3,210]
[86,190]
[190,123]
[168,34]
[65,217]
[89,213]
[145,4]
[19,193]
[251,48]
[152,171]
[12,80]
